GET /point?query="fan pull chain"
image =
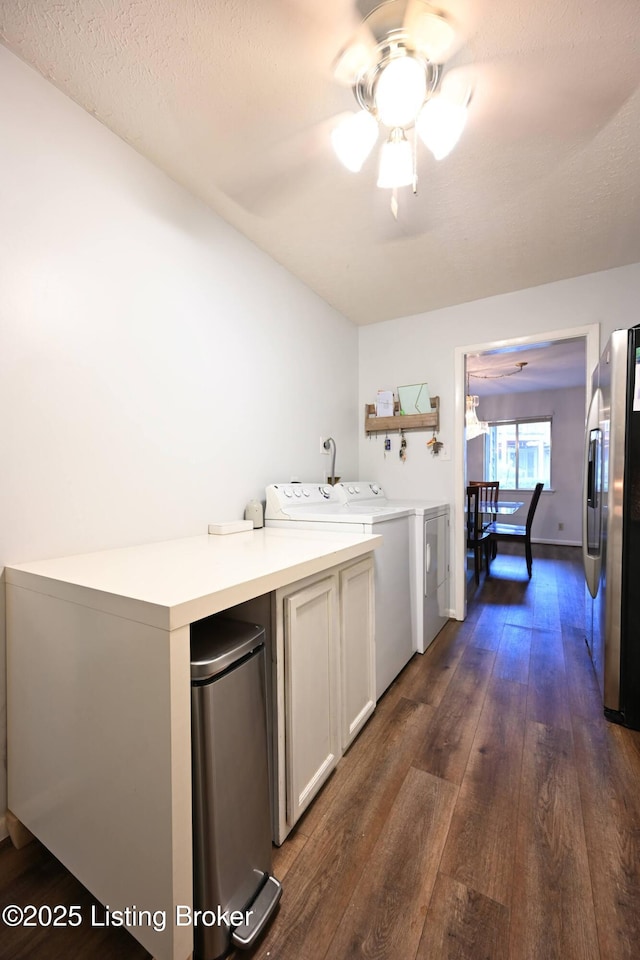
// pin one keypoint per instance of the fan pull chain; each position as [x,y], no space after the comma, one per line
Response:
[415,161]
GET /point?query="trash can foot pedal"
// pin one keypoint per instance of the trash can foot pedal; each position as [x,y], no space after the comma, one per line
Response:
[261,909]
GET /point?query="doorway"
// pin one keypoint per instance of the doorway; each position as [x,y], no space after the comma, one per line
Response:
[503,356]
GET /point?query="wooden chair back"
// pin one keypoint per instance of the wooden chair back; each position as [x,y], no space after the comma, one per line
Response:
[532,506]
[489,495]
[477,537]
[474,517]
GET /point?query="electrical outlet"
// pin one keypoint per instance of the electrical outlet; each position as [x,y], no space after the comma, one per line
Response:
[324,449]
[561,526]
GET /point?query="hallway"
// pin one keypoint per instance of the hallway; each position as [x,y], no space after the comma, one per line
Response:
[487,810]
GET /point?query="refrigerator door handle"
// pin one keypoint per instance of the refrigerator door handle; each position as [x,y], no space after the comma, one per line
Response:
[592,493]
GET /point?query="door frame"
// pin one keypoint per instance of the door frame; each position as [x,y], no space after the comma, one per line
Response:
[591,334]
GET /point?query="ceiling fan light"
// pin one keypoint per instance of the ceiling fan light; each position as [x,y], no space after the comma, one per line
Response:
[434,36]
[353,139]
[396,161]
[400,91]
[440,125]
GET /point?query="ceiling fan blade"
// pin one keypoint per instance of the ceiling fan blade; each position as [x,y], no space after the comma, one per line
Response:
[539,95]
[411,218]
[355,57]
[381,18]
[435,32]
[378,20]
[325,27]
[261,186]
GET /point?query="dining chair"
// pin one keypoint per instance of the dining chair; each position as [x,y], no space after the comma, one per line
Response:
[489,494]
[478,539]
[516,533]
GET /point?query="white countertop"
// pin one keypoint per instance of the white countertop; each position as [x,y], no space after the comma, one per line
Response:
[174,582]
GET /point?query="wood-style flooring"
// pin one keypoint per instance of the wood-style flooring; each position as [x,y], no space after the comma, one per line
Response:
[486,812]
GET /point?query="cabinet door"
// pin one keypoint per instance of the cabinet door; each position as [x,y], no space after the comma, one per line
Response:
[311,691]
[357,649]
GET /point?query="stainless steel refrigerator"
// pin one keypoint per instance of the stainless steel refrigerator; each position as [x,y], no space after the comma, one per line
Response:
[611,526]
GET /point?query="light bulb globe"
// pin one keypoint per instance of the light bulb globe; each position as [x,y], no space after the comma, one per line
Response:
[396,161]
[400,91]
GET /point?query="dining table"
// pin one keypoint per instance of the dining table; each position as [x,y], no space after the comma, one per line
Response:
[500,506]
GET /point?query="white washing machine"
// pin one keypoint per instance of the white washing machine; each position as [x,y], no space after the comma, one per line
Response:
[316,506]
[429,555]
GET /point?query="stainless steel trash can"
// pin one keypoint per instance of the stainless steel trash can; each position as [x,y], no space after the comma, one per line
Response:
[233,886]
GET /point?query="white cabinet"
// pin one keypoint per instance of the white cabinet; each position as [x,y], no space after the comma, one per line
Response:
[312,745]
[357,650]
[325,679]
[105,637]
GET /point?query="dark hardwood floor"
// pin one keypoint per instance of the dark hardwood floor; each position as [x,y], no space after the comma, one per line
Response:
[486,811]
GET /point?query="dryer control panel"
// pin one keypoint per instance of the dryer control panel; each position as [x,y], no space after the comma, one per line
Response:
[357,491]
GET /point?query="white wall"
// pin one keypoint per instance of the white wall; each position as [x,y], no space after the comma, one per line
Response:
[566,408]
[157,370]
[423,347]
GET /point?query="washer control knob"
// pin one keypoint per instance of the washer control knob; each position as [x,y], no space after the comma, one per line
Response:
[297,492]
[350,489]
[357,489]
[375,488]
[306,492]
[326,492]
[287,492]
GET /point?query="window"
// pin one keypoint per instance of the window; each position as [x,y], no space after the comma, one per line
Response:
[518,453]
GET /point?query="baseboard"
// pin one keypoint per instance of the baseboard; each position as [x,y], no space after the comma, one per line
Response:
[559,543]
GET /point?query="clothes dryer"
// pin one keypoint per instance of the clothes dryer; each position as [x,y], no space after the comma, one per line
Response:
[429,556]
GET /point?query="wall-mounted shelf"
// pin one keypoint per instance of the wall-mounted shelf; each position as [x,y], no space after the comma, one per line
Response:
[409,421]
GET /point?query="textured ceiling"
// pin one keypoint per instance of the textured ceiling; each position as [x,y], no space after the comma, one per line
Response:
[549,366]
[234,100]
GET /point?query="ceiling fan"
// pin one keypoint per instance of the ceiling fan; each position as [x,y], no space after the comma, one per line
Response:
[413,73]
[395,66]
